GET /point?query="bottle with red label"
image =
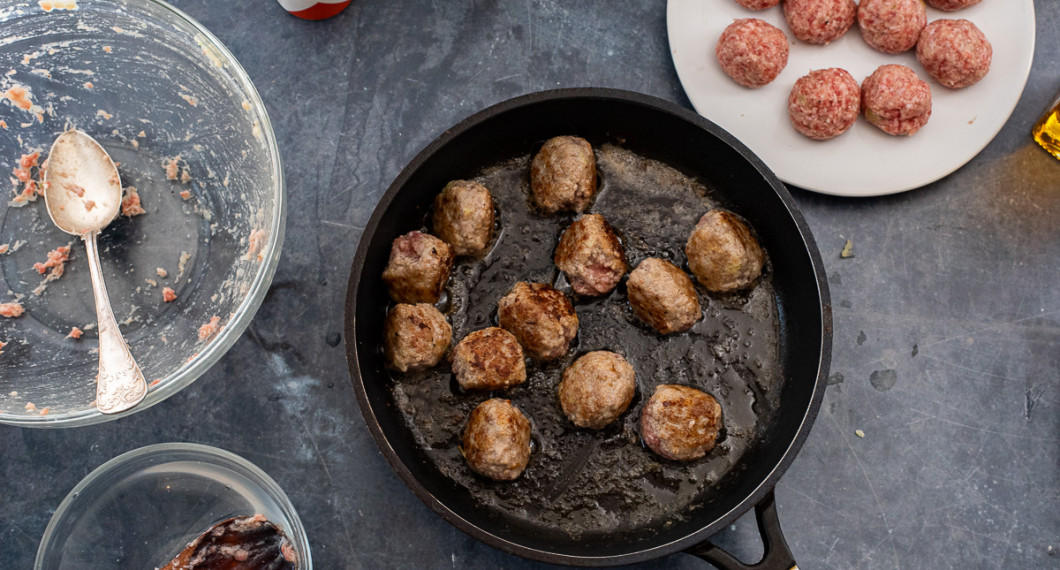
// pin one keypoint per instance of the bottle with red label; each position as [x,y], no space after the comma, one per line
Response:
[314,9]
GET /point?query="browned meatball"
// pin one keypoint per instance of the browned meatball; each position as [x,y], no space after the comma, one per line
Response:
[489,359]
[415,337]
[597,388]
[418,268]
[680,423]
[722,253]
[591,255]
[563,175]
[496,441]
[663,296]
[463,217]
[541,317]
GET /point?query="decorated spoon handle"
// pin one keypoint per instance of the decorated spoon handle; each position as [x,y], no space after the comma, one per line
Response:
[120,384]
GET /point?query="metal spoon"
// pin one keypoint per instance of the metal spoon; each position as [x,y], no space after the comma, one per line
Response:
[82,191]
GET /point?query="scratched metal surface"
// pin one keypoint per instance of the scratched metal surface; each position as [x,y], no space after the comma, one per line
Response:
[947,317]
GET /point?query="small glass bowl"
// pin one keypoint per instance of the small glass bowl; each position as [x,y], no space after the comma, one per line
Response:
[140,509]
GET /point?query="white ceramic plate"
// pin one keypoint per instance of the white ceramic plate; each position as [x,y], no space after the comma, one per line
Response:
[864,161]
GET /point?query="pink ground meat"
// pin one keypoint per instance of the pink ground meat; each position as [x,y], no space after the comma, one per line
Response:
[954,52]
[819,21]
[897,101]
[55,264]
[825,103]
[11,310]
[951,5]
[752,52]
[210,328]
[891,26]
[757,4]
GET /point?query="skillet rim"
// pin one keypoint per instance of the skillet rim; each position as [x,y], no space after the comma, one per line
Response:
[638,100]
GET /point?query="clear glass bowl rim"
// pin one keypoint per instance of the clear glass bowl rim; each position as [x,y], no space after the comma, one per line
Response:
[231,332]
[183,451]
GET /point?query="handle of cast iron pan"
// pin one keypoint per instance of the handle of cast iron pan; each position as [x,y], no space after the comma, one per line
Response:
[777,555]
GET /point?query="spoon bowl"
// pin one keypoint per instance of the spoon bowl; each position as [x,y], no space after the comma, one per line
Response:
[83,189]
[82,192]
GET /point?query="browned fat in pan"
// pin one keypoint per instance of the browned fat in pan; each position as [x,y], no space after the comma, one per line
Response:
[587,482]
[593,498]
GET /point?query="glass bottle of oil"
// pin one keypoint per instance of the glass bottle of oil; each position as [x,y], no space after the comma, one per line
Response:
[1046,131]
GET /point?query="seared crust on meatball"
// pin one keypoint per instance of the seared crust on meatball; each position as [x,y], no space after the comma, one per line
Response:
[954,52]
[597,388]
[757,4]
[824,103]
[415,337]
[591,255]
[663,296]
[563,175]
[951,5]
[752,52]
[819,21]
[891,26]
[489,359]
[680,423]
[418,268]
[463,217]
[542,318]
[722,253]
[496,442]
[894,99]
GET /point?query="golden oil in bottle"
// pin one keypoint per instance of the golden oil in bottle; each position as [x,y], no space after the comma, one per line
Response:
[1046,131]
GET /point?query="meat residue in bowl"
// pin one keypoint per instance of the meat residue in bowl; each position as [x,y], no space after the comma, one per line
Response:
[595,482]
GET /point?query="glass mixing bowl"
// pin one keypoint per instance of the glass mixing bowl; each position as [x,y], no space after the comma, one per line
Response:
[175,109]
[141,508]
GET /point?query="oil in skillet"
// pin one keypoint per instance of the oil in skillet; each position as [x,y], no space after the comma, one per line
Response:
[586,481]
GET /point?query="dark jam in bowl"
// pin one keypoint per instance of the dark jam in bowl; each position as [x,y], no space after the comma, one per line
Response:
[239,543]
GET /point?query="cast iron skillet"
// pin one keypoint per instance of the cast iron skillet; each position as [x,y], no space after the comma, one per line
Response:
[658,130]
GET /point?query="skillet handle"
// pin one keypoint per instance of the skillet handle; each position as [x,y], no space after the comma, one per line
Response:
[777,555]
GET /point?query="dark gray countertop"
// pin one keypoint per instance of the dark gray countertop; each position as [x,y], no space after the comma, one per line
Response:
[947,319]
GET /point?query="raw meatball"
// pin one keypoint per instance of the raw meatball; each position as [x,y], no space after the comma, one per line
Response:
[894,99]
[541,317]
[752,52]
[496,441]
[951,5]
[463,217]
[825,103]
[489,359]
[418,268]
[415,337]
[662,296]
[563,175]
[757,4]
[819,21]
[891,26]
[590,254]
[722,253]
[596,389]
[680,423]
[954,52]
